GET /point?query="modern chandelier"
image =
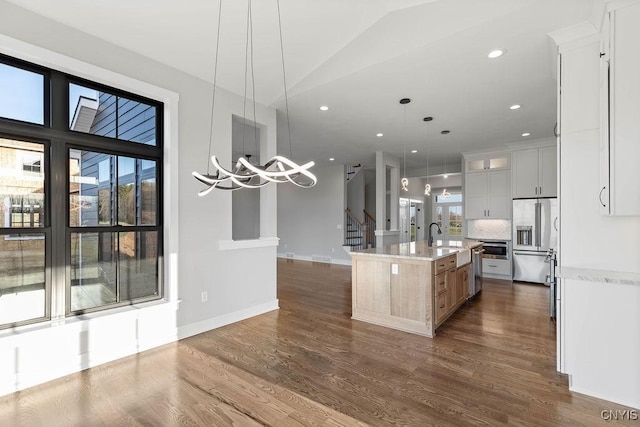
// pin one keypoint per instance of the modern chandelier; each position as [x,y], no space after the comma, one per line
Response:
[246,174]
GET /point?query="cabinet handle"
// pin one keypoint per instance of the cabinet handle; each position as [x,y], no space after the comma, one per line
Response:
[536,191]
[600,196]
[541,191]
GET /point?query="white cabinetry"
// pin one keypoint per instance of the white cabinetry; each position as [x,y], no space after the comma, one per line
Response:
[487,163]
[535,172]
[619,192]
[487,195]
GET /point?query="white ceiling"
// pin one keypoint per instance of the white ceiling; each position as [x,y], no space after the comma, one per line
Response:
[360,57]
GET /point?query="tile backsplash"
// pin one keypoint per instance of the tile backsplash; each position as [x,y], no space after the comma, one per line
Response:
[489,229]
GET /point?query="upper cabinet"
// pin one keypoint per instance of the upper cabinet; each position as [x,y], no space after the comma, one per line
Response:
[535,173]
[619,192]
[487,191]
[487,163]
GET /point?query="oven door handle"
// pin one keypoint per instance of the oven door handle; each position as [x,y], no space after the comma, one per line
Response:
[530,253]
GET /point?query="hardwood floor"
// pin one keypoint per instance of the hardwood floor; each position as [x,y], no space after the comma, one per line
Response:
[492,362]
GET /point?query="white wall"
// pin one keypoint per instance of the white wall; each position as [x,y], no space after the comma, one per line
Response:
[370,192]
[310,219]
[600,325]
[387,204]
[194,259]
[356,195]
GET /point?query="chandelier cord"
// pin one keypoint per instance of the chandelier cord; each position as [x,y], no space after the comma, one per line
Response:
[215,79]
[253,89]
[427,138]
[284,79]
[405,140]
[246,68]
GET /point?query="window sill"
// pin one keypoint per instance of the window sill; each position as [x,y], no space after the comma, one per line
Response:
[228,245]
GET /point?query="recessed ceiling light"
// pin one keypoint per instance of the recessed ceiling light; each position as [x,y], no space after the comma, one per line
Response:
[379,135]
[526,134]
[496,53]
[514,107]
[414,151]
[331,159]
[324,108]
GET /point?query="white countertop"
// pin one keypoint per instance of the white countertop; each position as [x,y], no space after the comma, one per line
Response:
[419,250]
[605,276]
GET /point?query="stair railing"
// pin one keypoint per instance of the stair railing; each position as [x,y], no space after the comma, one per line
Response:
[370,224]
[354,232]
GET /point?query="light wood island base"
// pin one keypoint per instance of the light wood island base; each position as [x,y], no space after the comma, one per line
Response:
[409,287]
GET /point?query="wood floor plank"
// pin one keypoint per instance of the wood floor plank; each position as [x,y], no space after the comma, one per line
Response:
[491,363]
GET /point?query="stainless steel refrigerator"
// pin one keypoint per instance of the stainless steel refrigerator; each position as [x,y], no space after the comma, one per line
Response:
[535,231]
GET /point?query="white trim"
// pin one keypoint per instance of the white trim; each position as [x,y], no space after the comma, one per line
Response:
[263,242]
[573,33]
[387,232]
[88,343]
[602,396]
[67,64]
[226,319]
[579,43]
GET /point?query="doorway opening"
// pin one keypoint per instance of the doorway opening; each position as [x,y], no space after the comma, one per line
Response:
[411,220]
[447,213]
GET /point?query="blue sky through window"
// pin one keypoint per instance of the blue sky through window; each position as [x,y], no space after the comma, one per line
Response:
[21,94]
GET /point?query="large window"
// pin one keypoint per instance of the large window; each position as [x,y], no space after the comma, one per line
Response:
[23,290]
[100,245]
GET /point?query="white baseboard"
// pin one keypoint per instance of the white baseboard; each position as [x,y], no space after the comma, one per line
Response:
[310,259]
[632,404]
[226,319]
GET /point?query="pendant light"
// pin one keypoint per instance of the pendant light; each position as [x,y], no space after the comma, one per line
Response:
[405,181]
[427,186]
[445,194]
[245,174]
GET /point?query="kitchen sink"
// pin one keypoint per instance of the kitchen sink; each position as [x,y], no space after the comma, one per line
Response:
[463,256]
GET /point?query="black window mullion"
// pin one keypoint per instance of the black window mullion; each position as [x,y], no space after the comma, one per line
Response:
[54,218]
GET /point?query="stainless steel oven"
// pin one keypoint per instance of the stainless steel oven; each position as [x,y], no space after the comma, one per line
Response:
[496,249]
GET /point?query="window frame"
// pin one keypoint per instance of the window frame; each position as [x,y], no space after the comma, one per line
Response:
[46,90]
[58,138]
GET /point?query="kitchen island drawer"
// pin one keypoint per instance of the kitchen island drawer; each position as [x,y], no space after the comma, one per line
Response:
[441,307]
[500,267]
[445,263]
[440,283]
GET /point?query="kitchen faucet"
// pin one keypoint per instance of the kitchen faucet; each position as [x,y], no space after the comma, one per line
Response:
[431,235]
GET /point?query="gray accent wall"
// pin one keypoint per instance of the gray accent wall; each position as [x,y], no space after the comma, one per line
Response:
[308,219]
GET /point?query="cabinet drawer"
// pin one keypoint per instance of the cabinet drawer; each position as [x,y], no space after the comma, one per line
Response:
[496,266]
[445,263]
[440,283]
[441,306]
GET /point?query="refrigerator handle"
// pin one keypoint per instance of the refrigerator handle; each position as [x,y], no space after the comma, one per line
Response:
[538,236]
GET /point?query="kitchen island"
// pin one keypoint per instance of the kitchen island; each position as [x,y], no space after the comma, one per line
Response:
[410,286]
